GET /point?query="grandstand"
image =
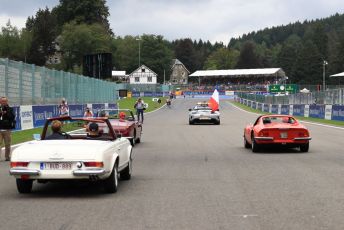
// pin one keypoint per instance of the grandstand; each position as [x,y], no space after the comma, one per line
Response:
[231,78]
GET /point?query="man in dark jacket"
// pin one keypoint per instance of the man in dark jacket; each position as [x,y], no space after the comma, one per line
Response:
[7,123]
[56,127]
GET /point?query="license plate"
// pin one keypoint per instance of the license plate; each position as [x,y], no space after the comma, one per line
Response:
[284,135]
[56,166]
[204,118]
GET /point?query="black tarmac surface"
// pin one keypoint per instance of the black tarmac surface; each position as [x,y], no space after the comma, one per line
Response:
[196,177]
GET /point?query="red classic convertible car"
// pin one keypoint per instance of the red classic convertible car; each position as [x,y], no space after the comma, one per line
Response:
[281,130]
[124,123]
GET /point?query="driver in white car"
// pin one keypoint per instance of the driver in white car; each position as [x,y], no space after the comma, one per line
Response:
[57,134]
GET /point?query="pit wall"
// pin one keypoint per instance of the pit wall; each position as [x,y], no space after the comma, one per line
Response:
[33,116]
[328,112]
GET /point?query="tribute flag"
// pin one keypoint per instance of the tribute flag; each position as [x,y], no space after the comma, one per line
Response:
[214,101]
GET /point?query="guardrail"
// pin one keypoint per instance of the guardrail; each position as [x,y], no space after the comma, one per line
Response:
[328,112]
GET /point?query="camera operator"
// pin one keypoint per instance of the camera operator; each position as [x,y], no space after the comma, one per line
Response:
[7,123]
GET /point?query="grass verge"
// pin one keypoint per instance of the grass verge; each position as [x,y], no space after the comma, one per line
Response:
[310,119]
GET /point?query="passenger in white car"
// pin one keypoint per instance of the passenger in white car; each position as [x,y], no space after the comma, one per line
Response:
[56,127]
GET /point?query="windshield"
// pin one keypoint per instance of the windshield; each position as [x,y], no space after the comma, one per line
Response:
[124,114]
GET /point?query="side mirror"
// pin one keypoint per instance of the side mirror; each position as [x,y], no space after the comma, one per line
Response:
[190,109]
[36,136]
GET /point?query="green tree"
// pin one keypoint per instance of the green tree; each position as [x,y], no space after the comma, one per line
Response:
[156,55]
[286,58]
[223,58]
[185,52]
[308,65]
[83,12]
[78,40]
[43,30]
[9,40]
[248,58]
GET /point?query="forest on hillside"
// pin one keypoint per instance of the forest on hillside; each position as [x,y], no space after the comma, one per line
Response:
[76,28]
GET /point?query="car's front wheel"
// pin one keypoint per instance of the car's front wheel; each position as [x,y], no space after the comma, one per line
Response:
[111,183]
[304,148]
[24,186]
[191,122]
[246,144]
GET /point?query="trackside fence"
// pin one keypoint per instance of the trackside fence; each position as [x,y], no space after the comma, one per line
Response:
[26,84]
[322,111]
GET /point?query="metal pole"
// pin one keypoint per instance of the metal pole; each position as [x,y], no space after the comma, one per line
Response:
[324,73]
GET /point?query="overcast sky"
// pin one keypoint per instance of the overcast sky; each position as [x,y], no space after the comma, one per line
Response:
[214,20]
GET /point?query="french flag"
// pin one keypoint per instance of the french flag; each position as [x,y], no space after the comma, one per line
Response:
[214,101]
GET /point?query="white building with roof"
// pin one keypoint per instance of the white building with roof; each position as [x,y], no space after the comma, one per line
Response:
[179,73]
[143,75]
[119,76]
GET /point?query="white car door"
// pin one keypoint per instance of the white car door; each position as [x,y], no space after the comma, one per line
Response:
[122,149]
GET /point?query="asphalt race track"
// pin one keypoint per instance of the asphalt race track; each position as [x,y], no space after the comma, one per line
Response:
[196,177]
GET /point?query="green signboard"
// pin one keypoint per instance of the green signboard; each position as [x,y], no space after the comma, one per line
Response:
[290,88]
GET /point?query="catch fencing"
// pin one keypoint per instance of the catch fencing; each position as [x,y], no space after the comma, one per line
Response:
[328,97]
[25,84]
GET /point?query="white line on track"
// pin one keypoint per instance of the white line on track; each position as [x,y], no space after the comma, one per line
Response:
[307,122]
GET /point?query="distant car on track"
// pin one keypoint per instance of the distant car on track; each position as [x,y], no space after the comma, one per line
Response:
[76,157]
[202,113]
[123,122]
[283,130]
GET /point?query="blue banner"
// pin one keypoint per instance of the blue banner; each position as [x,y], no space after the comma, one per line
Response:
[42,112]
[338,112]
[285,109]
[97,107]
[266,108]
[112,106]
[260,106]
[274,109]
[148,94]
[317,111]
[77,110]
[159,94]
[299,110]
[16,110]
[135,94]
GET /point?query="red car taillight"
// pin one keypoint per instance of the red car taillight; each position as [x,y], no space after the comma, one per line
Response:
[303,134]
[19,164]
[94,164]
[264,134]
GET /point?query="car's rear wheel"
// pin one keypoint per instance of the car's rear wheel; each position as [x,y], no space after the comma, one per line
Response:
[246,144]
[111,183]
[304,148]
[24,186]
[217,122]
[255,147]
[126,173]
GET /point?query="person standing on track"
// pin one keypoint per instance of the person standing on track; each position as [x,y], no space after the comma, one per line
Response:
[7,122]
[140,107]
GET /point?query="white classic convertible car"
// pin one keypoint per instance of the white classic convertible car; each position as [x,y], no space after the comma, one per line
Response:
[90,151]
